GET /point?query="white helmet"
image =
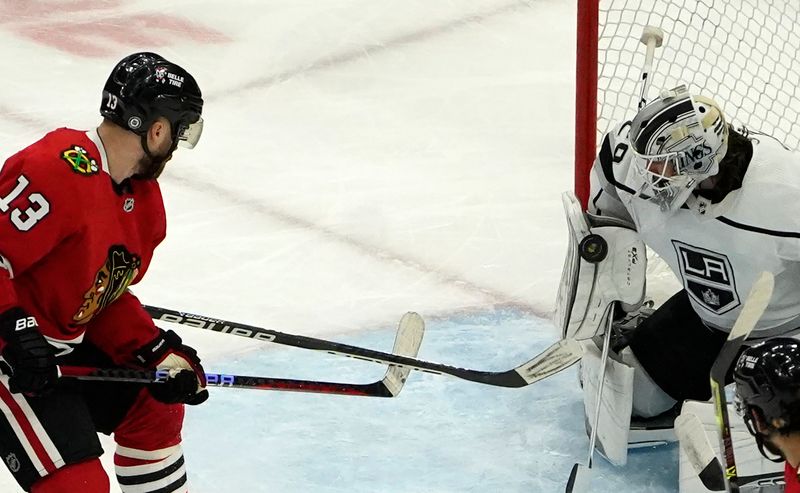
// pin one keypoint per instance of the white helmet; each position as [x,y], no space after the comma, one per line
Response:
[678,141]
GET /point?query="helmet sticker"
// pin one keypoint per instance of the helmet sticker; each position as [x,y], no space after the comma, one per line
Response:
[161,73]
[164,75]
[79,160]
[134,122]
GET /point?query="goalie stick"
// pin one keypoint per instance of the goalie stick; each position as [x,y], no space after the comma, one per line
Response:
[557,357]
[407,342]
[754,307]
[580,478]
[694,442]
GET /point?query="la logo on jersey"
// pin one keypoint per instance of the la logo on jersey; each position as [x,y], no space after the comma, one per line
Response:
[707,277]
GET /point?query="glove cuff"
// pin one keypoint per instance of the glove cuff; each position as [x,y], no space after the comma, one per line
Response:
[156,350]
[8,320]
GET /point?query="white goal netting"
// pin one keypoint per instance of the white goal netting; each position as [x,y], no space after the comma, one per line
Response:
[743,53]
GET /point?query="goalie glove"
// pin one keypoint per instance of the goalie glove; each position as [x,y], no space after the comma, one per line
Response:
[186,382]
[606,263]
[30,357]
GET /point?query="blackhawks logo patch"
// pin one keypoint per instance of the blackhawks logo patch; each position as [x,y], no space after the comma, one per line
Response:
[79,160]
[115,275]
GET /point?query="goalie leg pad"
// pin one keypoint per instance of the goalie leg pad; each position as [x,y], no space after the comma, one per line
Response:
[613,271]
[649,399]
[615,403]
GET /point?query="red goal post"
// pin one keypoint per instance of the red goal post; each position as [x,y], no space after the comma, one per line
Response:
[743,53]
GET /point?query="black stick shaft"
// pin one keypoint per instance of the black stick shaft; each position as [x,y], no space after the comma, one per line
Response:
[559,356]
[376,389]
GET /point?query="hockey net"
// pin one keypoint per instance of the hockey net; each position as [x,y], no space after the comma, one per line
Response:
[745,54]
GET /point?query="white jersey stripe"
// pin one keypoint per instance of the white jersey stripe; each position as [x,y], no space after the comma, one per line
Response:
[12,420]
[147,468]
[41,433]
[160,454]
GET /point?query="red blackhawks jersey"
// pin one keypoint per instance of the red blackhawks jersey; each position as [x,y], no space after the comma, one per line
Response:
[792,481]
[72,241]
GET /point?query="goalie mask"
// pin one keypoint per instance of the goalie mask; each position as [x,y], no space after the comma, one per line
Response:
[767,378]
[678,141]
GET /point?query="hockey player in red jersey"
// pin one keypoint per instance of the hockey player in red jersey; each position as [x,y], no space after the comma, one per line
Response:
[767,378]
[80,215]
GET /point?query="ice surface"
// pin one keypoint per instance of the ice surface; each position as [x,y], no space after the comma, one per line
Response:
[440,434]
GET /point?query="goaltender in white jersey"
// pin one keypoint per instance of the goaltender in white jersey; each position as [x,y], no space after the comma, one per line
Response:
[716,248]
[719,206]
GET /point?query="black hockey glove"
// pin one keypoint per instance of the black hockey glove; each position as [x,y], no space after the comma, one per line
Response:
[31,358]
[187,380]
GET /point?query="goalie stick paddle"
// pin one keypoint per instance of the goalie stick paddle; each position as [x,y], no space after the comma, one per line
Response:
[557,357]
[754,307]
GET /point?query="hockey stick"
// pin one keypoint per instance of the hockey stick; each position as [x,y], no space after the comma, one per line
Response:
[580,476]
[694,442]
[754,307]
[410,331]
[554,359]
[653,37]
[376,389]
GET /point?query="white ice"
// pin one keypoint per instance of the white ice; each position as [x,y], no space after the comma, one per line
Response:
[360,159]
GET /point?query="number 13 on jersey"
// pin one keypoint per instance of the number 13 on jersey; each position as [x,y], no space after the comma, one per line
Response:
[24,219]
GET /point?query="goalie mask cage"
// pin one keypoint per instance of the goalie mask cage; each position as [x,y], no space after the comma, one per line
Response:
[745,54]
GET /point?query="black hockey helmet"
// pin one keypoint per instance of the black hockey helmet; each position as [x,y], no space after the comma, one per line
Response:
[145,86]
[767,377]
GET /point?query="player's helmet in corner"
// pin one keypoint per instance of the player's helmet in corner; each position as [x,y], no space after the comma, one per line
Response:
[145,86]
[678,141]
[767,377]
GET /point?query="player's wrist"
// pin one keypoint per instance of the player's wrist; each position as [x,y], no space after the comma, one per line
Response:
[186,383]
[14,319]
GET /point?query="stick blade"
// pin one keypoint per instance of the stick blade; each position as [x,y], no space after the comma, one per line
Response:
[695,443]
[557,357]
[580,479]
[410,331]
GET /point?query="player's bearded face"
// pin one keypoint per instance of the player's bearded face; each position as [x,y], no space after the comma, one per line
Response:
[152,164]
[150,167]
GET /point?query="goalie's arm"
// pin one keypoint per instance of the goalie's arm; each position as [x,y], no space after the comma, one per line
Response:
[608,173]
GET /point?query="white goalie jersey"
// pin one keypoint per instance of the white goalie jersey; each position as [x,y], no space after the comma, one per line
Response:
[717,250]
